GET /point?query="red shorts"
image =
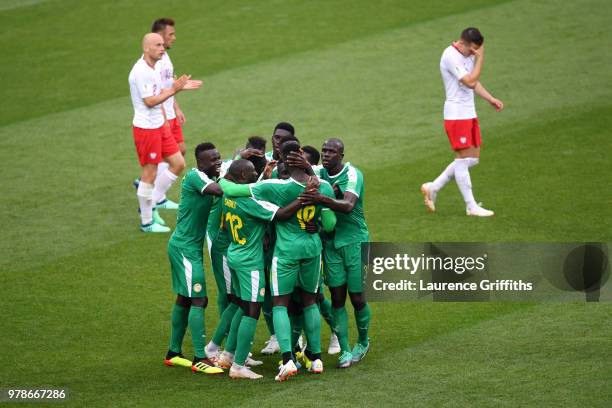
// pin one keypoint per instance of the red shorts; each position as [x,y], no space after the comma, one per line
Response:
[152,145]
[176,130]
[463,133]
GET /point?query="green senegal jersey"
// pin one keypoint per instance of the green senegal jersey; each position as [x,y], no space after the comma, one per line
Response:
[351,227]
[292,239]
[193,211]
[246,219]
[213,229]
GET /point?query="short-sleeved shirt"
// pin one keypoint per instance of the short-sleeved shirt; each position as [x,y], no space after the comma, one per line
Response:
[459,102]
[145,82]
[351,227]
[245,220]
[292,239]
[193,211]
[166,71]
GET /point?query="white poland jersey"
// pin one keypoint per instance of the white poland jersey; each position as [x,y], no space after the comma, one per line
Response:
[459,102]
[144,82]
[166,70]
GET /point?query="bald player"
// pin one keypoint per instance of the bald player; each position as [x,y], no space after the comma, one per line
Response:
[153,141]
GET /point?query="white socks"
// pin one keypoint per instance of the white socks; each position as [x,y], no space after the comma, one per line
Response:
[163,182]
[161,167]
[145,194]
[446,176]
[462,177]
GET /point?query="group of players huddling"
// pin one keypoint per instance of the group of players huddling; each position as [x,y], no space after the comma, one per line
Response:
[274,220]
[278,226]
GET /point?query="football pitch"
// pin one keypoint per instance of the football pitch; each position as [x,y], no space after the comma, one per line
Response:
[86,298]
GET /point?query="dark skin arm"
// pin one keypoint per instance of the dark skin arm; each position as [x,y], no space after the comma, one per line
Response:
[213,189]
[312,227]
[267,172]
[250,152]
[345,205]
[287,211]
[295,159]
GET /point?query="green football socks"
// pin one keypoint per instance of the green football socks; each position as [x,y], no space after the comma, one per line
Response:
[232,337]
[222,304]
[282,328]
[362,319]
[246,333]
[312,327]
[198,332]
[224,324]
[180,316]
[341,327]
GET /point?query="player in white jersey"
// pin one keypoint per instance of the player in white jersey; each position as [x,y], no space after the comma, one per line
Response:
[460,66]
[153,141]
[174,115]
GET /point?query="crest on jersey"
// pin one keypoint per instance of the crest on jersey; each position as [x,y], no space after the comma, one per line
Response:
[153,155]
[463,139]
[262,291]
[197,288]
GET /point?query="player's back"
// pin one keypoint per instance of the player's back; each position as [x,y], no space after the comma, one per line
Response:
[194,210]
[246,219]
[292,239]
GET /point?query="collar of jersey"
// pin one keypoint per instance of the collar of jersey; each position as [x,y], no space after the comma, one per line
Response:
[341,171]
[297,182]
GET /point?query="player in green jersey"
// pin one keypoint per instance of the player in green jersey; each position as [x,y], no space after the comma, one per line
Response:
[296,261]
[185,252]
[342,254]
[280,130]
[227,301]
[312,156]
[246,220]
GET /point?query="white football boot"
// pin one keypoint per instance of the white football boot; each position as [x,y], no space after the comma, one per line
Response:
[429,196]
[286,370]
[213,356]
[238,371]
[272,346]
[334,345]
[225,360]
[316,367]
[478,211]
[252,362]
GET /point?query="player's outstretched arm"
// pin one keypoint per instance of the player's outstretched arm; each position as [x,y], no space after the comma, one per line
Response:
[287,211]
[345,205]
[484,94]
[234,190]
[184,82]
[213,189]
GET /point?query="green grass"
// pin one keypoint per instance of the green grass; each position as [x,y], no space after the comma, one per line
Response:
[86,297]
